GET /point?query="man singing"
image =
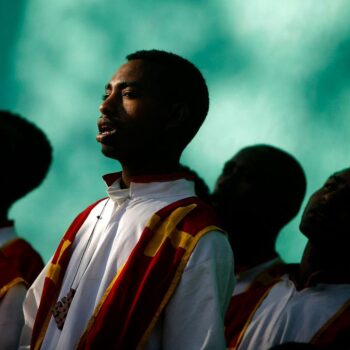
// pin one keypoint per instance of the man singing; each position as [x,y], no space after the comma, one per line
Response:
[147,267]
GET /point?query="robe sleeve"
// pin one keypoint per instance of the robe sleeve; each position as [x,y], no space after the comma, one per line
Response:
[194,317]
[11,317]
[30,308]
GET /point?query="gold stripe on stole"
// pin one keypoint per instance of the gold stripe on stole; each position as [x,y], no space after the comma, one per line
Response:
[249,319]
[189,249]
[167,229]
[98,307]
[4,289]
[54,270]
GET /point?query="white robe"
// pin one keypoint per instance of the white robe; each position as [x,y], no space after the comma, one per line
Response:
[11,314]
[246,278]
[289,315]
[193,319]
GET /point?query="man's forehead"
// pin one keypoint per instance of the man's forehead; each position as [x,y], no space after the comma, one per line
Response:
[136,71]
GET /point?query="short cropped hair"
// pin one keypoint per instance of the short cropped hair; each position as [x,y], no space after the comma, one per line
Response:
[183,81]
[26,155]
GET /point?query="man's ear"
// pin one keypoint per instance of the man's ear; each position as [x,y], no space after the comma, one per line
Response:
[178,116]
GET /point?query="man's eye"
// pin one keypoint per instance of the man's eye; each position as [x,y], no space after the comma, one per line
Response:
[130,94]
[105,96]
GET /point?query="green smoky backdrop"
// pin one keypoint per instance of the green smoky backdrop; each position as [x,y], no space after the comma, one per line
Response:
[278,73]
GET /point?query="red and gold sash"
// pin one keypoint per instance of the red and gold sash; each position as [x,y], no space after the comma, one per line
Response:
[240,312]
[54,277]
[9,276]
[26,260]
[134,300]
[243,306]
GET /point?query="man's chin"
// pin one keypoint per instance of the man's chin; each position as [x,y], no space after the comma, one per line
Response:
[110,152]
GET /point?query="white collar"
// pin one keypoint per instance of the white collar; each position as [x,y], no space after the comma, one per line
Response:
[158,188]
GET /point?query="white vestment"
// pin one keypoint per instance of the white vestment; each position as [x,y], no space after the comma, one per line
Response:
[246,278]
[11,314]
[193,319]
[289,315]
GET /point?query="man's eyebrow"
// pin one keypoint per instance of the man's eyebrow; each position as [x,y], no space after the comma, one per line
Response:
[125,84]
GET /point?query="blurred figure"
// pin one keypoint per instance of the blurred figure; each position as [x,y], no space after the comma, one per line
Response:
[259,191]
[311,304]
[25,159]
[200,187]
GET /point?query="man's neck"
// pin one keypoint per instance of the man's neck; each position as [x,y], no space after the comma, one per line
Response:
[252,252]
[149,168]
[321,259]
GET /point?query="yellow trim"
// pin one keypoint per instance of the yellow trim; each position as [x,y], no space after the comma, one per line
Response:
[250,318]
[329,322]
[98,307]
[53,272]
[65,245]
[174,282]
[4,289]
[178,239]
[42,333]
[168,229]
[153,221]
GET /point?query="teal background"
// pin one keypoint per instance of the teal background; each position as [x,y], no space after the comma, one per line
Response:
[278,73]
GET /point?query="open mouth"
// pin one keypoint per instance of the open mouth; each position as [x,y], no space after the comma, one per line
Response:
[105,131]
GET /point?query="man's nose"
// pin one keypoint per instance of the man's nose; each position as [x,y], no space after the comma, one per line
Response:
[107,106]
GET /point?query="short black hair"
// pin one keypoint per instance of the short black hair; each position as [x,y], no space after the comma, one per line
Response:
[26,155]
[286,176]
[182,80]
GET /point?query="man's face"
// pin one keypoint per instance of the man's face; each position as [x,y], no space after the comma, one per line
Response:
[326,218]
[133,114]
[239,192]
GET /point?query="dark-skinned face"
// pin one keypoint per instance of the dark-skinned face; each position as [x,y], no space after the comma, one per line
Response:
[133,113]
[239,191]
[326,218]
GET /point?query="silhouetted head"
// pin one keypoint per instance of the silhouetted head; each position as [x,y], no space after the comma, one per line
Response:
[326,218]
[259,191]
[25,157]
[154,104]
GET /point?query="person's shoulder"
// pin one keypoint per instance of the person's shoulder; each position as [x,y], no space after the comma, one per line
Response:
[213,247]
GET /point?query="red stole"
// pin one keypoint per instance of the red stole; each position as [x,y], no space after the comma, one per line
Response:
[243,306]
[241,311]
[54,277]
[26,260]
[9,276]
[134,300]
